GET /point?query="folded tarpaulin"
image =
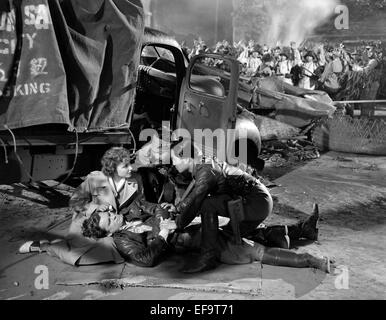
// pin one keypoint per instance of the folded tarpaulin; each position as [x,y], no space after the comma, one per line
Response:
[70,62]
[298,108]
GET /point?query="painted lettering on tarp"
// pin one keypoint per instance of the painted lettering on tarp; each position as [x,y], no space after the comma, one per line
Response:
[3,77]
[34,64]
[8,46]
[38,66]
[34,15]
[26,89]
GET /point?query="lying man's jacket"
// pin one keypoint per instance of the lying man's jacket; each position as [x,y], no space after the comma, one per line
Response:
[142,249]
[96,190]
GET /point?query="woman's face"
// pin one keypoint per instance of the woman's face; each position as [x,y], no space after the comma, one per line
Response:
[124,170]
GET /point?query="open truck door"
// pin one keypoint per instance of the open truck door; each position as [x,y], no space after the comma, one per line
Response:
[208,100]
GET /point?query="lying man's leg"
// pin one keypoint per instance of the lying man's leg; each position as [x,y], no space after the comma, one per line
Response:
[280,236]
[250,251]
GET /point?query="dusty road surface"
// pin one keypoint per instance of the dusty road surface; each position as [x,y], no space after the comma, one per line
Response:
[351,192]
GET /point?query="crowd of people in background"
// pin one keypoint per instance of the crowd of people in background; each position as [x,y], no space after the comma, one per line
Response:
[309,66]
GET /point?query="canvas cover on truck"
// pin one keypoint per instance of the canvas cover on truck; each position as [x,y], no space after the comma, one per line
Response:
[70,62]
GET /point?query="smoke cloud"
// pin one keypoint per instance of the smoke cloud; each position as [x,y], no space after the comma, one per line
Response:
[293,20]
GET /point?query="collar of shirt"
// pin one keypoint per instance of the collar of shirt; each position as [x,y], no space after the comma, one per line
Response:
[136,227]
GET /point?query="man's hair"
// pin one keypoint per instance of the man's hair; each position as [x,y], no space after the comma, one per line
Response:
[195,152]
[112,158]
[91,228]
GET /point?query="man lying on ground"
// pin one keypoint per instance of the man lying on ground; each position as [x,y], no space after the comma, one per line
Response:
[145,242]
[109,205]
[114,189]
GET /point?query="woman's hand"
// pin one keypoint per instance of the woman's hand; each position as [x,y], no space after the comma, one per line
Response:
[168,206]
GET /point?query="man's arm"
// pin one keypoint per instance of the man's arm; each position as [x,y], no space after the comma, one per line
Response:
[150,208]
[132,246]
[135,250]
[188,208]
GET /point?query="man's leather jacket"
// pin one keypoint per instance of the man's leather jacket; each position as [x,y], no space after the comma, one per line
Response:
[213,178]
[141,249]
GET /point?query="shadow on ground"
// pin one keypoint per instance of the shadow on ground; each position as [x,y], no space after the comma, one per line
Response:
[54,198]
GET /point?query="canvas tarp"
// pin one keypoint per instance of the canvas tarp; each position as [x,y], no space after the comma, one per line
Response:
[293,106]
[71,62]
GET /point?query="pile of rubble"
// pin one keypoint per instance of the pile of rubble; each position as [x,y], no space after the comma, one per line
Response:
[279,153]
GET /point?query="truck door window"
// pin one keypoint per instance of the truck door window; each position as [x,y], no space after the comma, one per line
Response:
[156,87]
[211,76]
[159,58]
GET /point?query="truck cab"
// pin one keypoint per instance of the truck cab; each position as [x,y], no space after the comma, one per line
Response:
[195,95]
[190,95]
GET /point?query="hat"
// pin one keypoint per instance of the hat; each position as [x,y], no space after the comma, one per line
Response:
[284,54]
[310,54]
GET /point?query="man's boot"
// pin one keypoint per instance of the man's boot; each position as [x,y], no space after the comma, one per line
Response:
[209,255]
[277,236]
[306,229]
[274,236]
[286,258]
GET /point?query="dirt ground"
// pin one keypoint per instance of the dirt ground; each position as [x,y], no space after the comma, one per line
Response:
[351,192]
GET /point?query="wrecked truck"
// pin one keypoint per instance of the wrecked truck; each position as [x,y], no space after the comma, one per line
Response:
[291,105]
[73,75]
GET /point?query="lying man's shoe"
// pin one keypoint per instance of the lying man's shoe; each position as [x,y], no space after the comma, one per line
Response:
[309,228]
[33,246]
[206,261]
[323,264]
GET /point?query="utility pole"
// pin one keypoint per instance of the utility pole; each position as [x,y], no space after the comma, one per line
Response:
[216,21]
[147,6]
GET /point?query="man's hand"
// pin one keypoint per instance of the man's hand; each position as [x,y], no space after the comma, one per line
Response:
[167,226]
[104,207]
[168,206]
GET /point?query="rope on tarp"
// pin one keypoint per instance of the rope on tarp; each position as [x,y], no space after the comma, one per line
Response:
[74,162]
[70,172]
[124,126]
[5,151]
[16,154]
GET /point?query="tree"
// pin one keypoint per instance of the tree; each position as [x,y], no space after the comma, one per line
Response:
[248,19]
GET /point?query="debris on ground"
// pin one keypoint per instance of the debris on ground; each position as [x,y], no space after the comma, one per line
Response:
[279,153]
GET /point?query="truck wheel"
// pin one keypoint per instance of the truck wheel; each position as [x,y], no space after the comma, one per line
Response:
[252,154]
